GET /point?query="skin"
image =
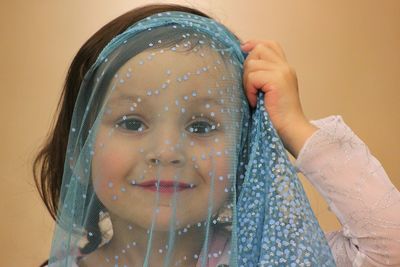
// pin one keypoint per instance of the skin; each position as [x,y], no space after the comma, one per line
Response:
[266,69]
[159,150]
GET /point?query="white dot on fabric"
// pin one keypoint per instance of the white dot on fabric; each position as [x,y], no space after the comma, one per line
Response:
[208,146]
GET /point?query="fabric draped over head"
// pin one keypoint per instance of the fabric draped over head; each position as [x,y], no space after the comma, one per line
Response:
[167,165]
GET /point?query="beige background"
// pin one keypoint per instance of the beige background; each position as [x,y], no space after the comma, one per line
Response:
[346,54]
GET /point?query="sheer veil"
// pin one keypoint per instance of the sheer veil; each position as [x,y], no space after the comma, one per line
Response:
[167,165]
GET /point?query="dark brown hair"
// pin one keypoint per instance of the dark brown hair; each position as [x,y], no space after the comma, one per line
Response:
[48,165]
[49,162]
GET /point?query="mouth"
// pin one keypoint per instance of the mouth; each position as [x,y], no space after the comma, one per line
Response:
[165,186]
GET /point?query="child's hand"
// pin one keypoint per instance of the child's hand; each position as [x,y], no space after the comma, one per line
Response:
[266,69]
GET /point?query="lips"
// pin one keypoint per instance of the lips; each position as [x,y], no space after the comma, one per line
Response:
[165,186]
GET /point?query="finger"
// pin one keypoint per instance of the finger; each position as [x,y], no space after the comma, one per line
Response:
[278,48]
[274,45]
[268,53]
[254,81]
[259,80]
[251,94]
[250,44]
[254,65]
[264,53]
[251,65]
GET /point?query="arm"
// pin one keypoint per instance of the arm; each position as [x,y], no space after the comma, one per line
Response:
[333,158]
[357,189]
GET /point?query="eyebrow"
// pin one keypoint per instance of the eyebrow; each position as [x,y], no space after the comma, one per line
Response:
[125,98]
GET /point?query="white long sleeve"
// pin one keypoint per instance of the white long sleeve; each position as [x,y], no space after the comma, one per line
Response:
[357,189]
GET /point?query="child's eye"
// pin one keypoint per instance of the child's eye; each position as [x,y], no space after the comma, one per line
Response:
[201,127]
[131,124]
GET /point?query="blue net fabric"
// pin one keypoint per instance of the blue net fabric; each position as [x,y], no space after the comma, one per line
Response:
[276,226]
[167,165]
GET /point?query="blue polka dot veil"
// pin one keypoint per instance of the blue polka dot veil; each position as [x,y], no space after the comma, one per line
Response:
[167,165]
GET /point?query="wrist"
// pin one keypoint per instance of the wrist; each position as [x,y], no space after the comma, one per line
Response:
[295,137]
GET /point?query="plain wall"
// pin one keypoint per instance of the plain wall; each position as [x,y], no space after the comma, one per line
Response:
[346,54]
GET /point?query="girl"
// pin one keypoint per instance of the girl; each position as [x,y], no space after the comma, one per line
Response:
[166,164]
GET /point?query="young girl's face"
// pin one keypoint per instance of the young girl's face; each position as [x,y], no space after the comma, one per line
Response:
[167,119]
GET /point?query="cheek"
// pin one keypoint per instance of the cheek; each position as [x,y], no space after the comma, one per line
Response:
[221,164]
[222,178]
[109,169]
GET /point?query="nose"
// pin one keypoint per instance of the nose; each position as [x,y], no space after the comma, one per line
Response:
[166,155]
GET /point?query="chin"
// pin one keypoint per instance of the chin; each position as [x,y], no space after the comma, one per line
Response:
[181,221]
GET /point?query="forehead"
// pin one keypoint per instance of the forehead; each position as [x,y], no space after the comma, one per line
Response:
[183,70]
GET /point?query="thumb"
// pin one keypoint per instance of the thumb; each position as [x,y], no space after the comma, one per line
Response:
[251,94]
